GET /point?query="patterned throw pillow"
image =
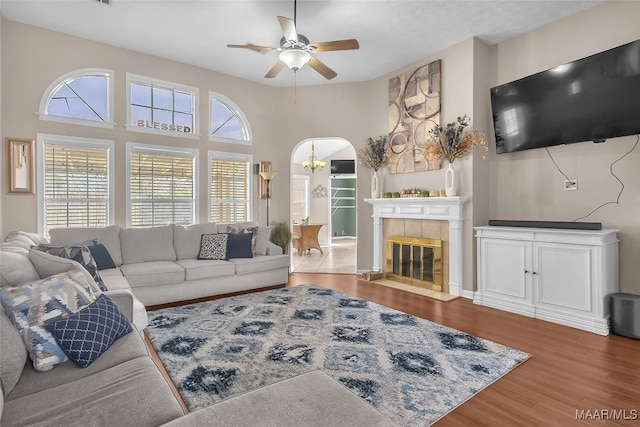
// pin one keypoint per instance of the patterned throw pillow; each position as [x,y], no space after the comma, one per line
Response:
[79,253]
[85,335]
[33,304]
[213,246]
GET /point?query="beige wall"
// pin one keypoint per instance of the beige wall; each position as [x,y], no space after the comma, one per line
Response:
[458,98]
[514,186]
[527,185]
[2,143]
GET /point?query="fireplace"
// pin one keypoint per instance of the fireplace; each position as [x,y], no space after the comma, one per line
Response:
[414,261]
[439,209]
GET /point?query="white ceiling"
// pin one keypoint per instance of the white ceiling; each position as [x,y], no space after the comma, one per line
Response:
[391,33]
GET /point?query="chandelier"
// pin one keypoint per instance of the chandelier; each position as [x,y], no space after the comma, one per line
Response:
[313,163]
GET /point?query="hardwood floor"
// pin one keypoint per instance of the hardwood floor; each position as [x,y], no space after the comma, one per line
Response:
[569,369]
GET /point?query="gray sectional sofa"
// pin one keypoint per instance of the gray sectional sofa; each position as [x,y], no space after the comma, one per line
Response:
[124,386]
[160,265]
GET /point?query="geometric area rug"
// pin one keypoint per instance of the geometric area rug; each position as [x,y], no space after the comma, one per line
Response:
[412,370]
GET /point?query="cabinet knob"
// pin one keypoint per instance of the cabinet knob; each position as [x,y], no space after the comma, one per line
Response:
[526,272]
[534,273]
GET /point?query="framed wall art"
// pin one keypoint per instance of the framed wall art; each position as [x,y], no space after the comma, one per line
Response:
[21,165]
[414,109]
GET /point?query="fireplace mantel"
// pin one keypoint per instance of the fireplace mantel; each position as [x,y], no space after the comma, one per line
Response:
[435,208]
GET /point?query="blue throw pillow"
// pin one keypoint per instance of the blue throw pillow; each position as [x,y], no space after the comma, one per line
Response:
[239,245]
[85,335]
[102,256]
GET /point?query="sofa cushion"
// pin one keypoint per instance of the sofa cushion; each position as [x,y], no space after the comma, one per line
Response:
[153,273]
[13,355]
[213,246]
[133,393]
[127,348]
[186,240]
[147,244]
[15,266]
[108,236]
[32,304]
[79,253]
[203,269]
[85,335]
[260,263]
[239,245]
[313,399]
[111,272]
[47,265]
[34,238]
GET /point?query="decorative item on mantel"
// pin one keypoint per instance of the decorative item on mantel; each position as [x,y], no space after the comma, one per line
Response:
[450,143]
[374,156]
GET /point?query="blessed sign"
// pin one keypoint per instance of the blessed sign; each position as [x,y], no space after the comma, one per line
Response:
[163,126]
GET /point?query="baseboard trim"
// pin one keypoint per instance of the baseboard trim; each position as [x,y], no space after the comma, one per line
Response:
[467,294]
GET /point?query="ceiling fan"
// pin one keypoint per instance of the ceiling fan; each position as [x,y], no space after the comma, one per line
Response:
[295,49]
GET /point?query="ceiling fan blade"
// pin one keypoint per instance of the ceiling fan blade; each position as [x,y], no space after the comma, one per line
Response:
[350,44]
[288,29]
[275,70]
[261,49]
[320,67]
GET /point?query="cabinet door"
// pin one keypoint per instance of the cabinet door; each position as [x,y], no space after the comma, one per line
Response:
[562,276]
[504,265]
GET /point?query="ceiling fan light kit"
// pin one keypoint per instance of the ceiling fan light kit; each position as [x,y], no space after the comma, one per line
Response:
[295,58]
[295,49]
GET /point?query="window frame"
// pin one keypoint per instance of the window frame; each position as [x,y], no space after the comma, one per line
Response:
[136,78]
[165,150]
[73,141]
[225,155]
[238,112]
[44,100]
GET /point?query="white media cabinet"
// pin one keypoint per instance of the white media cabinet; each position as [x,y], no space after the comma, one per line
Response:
[563,276]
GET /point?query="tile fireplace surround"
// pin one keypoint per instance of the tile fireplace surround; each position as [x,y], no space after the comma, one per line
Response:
[435,208]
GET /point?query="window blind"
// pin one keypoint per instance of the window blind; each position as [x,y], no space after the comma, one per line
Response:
[76,186]
[162,189]
[230,190]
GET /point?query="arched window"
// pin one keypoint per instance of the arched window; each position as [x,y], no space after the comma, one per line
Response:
[82,97]
[227,123]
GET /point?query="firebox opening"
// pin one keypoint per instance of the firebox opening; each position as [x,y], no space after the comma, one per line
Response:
[414,261]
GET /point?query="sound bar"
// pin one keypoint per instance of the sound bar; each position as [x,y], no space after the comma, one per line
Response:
[547,224]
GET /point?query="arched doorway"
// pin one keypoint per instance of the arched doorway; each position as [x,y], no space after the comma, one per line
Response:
[323,206]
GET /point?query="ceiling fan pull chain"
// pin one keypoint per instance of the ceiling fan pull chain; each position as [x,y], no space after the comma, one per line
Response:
[295,87]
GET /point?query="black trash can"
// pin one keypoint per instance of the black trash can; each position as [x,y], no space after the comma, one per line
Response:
[625,315]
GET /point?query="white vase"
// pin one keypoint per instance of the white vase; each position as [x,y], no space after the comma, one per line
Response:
[450,181]
[375,187]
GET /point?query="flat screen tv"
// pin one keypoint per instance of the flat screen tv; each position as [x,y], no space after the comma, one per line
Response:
[343,166]
[591,99]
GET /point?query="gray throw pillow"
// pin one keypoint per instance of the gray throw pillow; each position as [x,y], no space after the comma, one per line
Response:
[262,240]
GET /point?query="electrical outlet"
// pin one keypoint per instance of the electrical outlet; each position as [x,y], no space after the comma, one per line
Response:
[570,184]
